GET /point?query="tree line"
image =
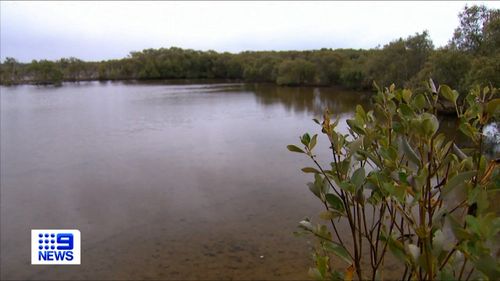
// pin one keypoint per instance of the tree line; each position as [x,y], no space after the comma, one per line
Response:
[471,57]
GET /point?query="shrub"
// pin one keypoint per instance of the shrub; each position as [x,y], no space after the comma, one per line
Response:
[392,179]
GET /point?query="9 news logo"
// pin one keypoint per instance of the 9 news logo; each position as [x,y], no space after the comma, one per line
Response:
[55,246]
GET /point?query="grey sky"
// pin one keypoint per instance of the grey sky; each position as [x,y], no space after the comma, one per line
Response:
[107,30]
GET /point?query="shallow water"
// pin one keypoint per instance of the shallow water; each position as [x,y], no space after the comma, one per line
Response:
[164,181]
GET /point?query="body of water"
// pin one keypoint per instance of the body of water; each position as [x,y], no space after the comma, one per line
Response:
[163,181]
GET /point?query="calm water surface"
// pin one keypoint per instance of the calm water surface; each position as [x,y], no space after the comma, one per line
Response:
[163,181]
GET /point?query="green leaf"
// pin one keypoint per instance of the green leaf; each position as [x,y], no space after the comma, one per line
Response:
[400,193]
[305,139]
[294,148]
[445,275]
[313,142]
[323,232]
[398,127]
[358,177]
[409,152]
[388,188]
[315,189]
[388,153]
[328,215]
[407,95]
[347,186]
[355,126]
[318,188]
[473,224]
[468,130]
[430,124]
[338,250]
[457,180]
[355,145]
[372,157]
[482,200]
[419,101]
[448,94]
[457,229]
[335,202]
[375,197]
[360,112]
[489,266]
[395,246]
[493,107]
[310,170]
[322,264]
[406,110]
[345,165]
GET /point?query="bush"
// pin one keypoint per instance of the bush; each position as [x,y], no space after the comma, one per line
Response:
[296,72]
[392,179]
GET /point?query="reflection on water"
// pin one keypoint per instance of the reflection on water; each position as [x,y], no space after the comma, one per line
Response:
[165,181]
[312,101]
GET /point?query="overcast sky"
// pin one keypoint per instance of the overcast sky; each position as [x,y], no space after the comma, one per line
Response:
[107,30]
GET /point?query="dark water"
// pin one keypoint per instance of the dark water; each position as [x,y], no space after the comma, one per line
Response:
[163,181]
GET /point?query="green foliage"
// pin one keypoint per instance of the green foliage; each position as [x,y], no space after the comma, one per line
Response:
[401,60]
[447,66]
[472,58]
[9,72]
[478,31]
[484,70]
[352,74]
[46,72]
[295,72]
[407,192]
[72,68]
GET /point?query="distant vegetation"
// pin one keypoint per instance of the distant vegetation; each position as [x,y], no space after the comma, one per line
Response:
[471,57]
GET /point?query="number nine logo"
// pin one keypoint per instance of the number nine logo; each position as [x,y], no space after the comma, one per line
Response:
[55,246]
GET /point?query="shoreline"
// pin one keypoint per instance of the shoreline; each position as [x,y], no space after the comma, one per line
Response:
[180,81]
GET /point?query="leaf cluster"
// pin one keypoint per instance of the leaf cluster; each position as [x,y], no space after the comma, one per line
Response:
[406,190]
